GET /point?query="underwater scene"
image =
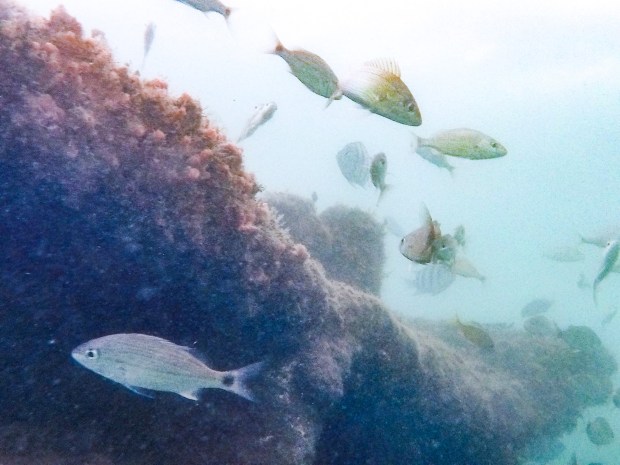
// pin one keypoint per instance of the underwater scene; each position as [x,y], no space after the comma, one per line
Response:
[309,233]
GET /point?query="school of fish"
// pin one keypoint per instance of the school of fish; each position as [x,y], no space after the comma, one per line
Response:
[147,364]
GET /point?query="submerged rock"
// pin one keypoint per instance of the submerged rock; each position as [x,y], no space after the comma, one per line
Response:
[124,210]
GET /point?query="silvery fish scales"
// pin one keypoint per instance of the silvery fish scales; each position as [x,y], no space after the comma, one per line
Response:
[354,163]
[433,279]
[143,362]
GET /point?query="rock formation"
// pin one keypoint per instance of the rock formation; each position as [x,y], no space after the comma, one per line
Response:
[123,210]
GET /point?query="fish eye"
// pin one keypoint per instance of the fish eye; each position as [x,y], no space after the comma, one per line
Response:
[494,145]
[411,106]
[92,354]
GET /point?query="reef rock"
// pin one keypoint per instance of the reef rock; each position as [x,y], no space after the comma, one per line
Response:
[124,210]
[347,241]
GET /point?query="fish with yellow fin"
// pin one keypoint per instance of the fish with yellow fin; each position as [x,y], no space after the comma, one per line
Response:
[475,334]
[377,86]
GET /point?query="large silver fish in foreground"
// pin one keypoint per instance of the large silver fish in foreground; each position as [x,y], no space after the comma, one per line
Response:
[142,362]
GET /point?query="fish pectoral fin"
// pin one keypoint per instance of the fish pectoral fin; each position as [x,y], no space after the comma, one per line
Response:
[140,391]
[191,395]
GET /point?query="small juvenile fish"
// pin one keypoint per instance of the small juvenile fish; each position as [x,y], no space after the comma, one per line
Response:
[354,163]
[312,71]
[464,143]
[476,335]
[444,250]
[378,170]
[207,6]
[609,260]
[143,362]
[465,268]
[536,307]
[432,155]
[417,246]
[599,432]
[564,254]
[616,398]
[262,114]
[149,35]
[377,86]
[433,279]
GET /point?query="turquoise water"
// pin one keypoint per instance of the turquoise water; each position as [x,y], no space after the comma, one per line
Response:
[543,80]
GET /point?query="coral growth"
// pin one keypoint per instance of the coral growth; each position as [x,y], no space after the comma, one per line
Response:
[123,210]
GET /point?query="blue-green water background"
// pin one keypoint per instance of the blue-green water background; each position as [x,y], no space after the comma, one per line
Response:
[542,79]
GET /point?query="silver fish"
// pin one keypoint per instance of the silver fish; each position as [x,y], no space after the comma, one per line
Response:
[601,236]
[463,267]
[378,171]
[149,35]
[312,71]
[536,307]
[354,163]
[432,155]
[377,86]
[207,6]
[464,143]
[609,260]
[564,254]
[143,362]
[433,278]
[262,114]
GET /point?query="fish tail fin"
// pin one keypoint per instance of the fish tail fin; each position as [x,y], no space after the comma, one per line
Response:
[415,141]
[382,192]
[594,287]
[451,171]
[236,381]
[337,95]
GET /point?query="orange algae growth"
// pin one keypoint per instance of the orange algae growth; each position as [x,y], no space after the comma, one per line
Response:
[66,92]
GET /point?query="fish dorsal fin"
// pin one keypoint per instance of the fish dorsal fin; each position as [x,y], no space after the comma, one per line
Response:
[385,65]
[425,216]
